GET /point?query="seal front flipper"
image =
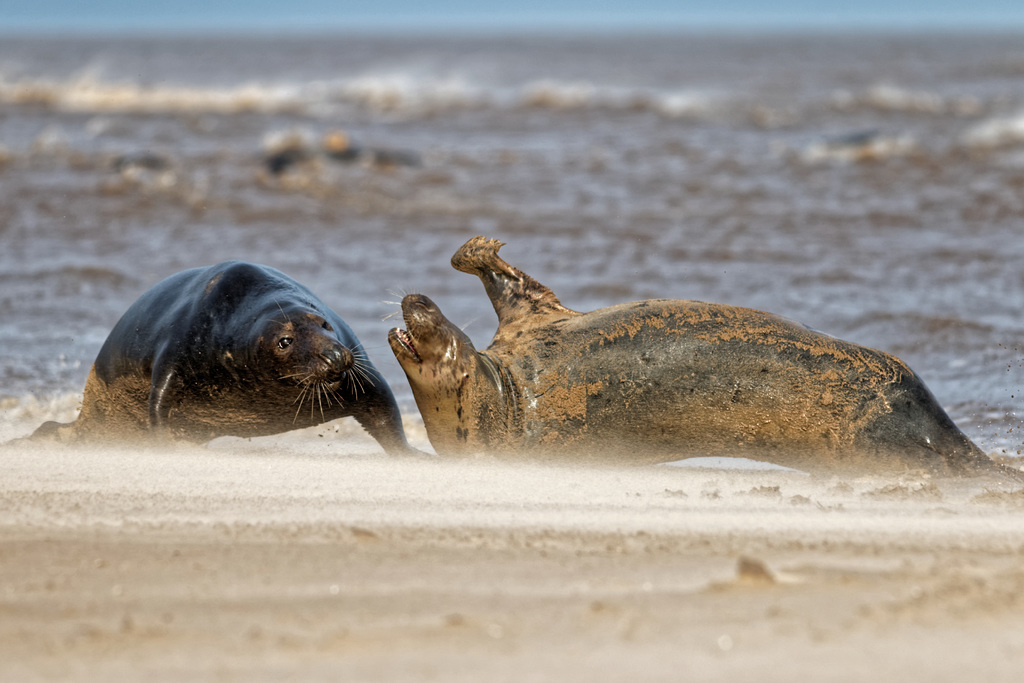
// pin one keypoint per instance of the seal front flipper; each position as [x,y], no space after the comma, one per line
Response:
[163,395]
[514,294]
[383,421]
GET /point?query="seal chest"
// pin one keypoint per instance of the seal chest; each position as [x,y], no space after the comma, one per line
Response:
[235,349]
[658,380]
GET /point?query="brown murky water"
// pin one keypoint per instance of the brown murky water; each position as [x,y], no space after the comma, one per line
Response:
[871,187]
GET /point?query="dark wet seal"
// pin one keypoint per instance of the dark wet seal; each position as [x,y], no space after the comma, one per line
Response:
[235,349]
[658,380]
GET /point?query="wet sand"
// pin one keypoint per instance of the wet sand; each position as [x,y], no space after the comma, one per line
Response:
[312,556]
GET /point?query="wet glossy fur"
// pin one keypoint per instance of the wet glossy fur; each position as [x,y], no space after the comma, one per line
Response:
[233,349]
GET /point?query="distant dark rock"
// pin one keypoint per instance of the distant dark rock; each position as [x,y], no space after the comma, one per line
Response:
[280,161]
[148,161]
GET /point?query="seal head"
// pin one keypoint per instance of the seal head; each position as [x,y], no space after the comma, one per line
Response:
[459,391]
[298,348]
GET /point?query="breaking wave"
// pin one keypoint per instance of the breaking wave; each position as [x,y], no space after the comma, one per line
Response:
[401,93]
[885,97]
[87,93]
[996,132]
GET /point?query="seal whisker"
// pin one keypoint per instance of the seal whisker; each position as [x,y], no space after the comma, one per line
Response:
[355,385]
[363,367]
[319,400]
[304,382]
[282,310]
[301,399]
[359,358]
[357,380]
[308,384]
[360,371]
[359,361]
[361,353]
[336,395]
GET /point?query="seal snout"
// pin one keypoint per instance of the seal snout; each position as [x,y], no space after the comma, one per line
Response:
[336,360]
[418,312]
[417,304]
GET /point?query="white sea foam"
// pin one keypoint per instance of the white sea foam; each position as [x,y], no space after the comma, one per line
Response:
[997,132]
[401,92]
[88,93]
[406,92]
[585,95]
[889,97]
[858,148]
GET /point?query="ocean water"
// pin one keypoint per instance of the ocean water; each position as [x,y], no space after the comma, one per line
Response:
[869,186]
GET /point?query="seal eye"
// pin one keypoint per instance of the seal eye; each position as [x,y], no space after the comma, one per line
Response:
[284,342]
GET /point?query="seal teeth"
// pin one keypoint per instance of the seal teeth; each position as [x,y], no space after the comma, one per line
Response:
[406,340]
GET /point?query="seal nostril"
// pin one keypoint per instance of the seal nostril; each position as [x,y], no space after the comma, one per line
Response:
[338,358]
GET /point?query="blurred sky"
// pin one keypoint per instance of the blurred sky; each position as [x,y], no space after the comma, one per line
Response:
[132,16]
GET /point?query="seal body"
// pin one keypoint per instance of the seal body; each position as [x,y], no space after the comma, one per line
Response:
[233,349]
[659,380]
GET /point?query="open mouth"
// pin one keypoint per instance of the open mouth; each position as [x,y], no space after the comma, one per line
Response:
[405,341]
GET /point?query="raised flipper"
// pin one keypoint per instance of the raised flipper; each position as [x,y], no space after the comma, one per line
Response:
[514,294]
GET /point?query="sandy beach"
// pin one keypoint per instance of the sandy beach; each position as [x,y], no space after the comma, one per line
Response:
[313,556]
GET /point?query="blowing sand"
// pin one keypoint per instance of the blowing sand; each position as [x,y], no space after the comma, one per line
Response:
[313,556]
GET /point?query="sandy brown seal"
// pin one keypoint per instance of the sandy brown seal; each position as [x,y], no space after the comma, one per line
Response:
[233,349]
[659,380]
